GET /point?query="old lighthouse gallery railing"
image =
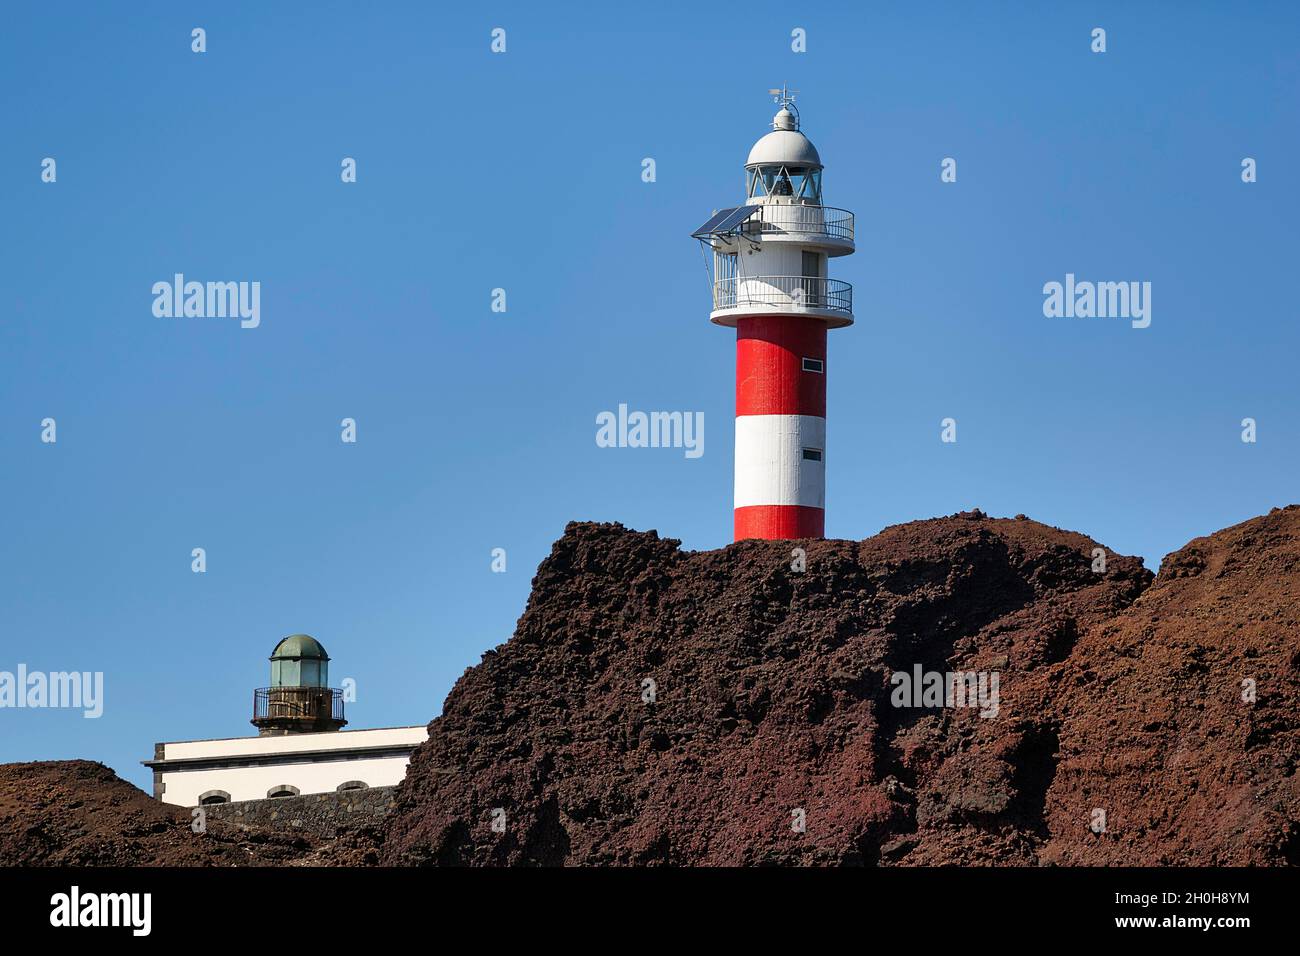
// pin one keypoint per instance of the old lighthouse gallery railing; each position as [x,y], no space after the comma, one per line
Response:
[298,703]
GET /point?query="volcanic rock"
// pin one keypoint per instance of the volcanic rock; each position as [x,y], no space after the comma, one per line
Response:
[1180,718]
[746,706]
[80,813]
[657,706]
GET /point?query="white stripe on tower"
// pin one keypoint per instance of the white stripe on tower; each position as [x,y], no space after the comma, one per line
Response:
[770,465]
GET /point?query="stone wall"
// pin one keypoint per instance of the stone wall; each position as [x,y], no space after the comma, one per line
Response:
[316,814]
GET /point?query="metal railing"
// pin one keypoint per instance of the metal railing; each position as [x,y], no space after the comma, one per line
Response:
[783,292]
[801,220]
[298,703]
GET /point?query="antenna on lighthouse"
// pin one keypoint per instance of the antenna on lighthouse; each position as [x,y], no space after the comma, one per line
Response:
[785,98]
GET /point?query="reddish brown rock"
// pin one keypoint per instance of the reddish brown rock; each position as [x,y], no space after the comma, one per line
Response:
[80,813]
[772,704]
[1155,730]
[771,696]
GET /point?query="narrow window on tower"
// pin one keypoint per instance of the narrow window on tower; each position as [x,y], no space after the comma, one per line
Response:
[814,365]
[812,454]
[813,279]
[724,280]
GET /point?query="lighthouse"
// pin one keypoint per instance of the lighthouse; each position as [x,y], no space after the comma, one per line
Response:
[301,749]
[768,260]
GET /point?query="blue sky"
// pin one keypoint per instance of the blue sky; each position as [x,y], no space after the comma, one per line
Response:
[522,171]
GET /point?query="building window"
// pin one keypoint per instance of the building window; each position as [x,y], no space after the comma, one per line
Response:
[814,365]
[282,790]
[213,797]
[813,265]
[813,281]
[724,280]
[812,454]
[353,785]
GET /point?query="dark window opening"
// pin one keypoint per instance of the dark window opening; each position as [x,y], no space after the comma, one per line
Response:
[812,454]
[353,785]
[813,280]
[813,365]
[283,790]
[213,797]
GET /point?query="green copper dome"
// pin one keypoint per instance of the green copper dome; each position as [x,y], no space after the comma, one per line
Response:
[298,646]
[299,661]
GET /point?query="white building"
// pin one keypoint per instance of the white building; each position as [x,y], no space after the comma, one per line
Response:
[300,747]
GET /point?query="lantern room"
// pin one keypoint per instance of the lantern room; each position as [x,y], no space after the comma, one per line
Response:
[299,661]
[784,163]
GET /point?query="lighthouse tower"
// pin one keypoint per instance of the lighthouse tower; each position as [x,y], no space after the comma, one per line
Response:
[770,283]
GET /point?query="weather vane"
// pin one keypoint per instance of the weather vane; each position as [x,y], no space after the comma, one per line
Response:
[783,96]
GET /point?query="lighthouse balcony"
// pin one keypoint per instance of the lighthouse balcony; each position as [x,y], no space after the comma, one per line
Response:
[279,710]
[826,227]
[830,300]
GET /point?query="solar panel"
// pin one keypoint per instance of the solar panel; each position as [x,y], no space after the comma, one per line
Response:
[725,221]
[709,227]
[737,216]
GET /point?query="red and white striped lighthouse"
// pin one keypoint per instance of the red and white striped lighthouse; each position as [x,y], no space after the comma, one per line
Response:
[770,284]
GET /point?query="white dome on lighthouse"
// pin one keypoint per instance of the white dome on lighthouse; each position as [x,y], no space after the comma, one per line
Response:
[784,146]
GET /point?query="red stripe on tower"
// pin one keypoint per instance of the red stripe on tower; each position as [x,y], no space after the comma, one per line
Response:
[778,522]
[777,366]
